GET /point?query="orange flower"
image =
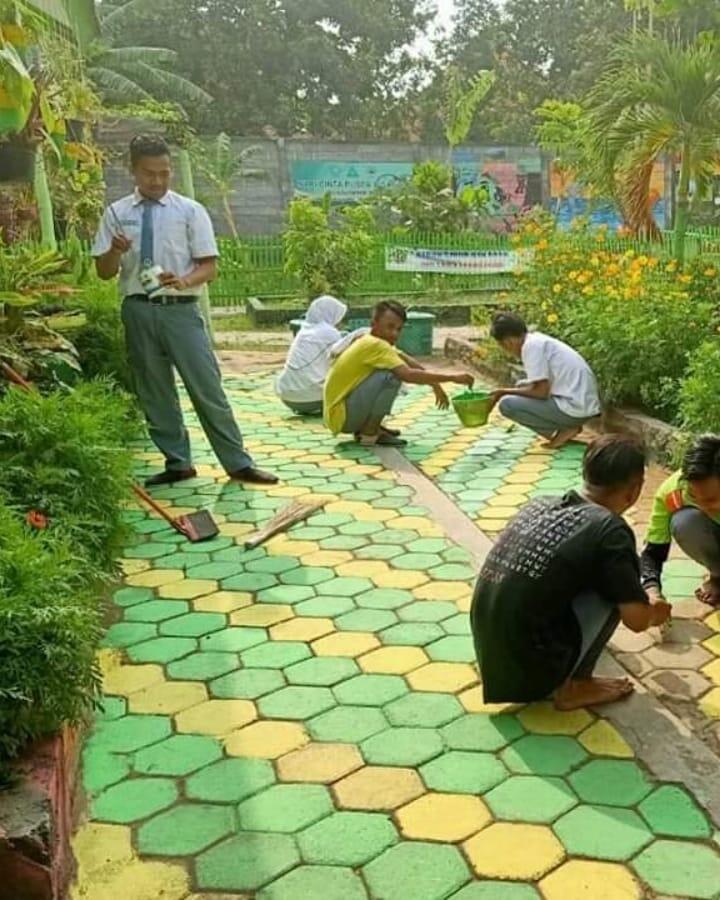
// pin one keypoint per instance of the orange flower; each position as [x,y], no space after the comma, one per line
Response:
[36,520]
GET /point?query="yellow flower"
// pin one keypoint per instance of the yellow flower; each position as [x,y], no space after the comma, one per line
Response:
[642,260]
[594,262]
[588,290]
[630,253]
[542,245]
[685,279]
[709,273]
[572,276]
[671,266]
[557,288]
[552,318]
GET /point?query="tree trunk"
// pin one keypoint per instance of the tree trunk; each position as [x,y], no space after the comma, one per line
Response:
[187,186]
[44,202]
[683,204]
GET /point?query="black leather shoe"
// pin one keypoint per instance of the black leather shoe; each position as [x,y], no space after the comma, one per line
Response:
[254,476]
[170,476]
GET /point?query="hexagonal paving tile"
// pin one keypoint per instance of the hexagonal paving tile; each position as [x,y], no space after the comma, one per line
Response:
[538,754]
[680,868]
[347,839]
[203,666]
[496,890]
[384,598]
[232,640]
[296,702]
[230,780]
[316,883]
[100,769]
[247,684]
[443,817]
[402,746]
[130,801]
[346,643]
[481,732]
[393,660]
[351,724]
[371,690]
[419,870]
[320,763]
[285,808]
[156,611]
[453,648]
[321,672]
[443,676]
[216,717]
[131,733]
[493,853]
[185,830]
[543,718]
[178,755]
[275,656]
[126,634]
[611,782]
[531,798]
[167,697]
[670,811]
[262,616]
[591,880]
[411,634]
[246,862]
[603,832]
[162,650]
[267,740]
[301,629]
[463,772]
[378,788]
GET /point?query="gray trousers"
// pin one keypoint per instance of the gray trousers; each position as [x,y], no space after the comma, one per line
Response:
[309,408]
[541,416]
[160,339]
[598,620]
[698,536]
[370,402]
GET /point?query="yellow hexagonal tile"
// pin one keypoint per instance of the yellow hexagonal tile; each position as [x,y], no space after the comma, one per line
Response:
[361,511]
[521,478]
[710,704]
[591,881]
[443,817]
[188,589]
[283,546]
[400,578]
[379,788]
[491,526]
[108,658]
[301,629]
[515,852]
[326,558]
[155,578]
[713,621]
[97,846]
[261,615]
[543,718]
[713,644]
[501,501]
[345,643]
[444,677]
[235,529]
[168,697]
[134,566]
[603,740]
[320,763]
[362,568]
[222,601]
[499,513]
[216,717]
[472,700]
[136,880]
[424,527]
[712,671]
[266,740]
[443,590]
[393,660]
[125,680]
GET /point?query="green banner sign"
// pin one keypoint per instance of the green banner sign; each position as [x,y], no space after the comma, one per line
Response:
[346,180]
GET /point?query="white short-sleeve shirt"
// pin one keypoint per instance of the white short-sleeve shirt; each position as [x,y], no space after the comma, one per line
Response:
[182,232]
[572,382]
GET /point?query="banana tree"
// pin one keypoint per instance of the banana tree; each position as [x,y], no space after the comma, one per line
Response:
[462,100]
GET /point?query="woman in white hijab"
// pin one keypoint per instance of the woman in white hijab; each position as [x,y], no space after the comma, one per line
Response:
[300,384]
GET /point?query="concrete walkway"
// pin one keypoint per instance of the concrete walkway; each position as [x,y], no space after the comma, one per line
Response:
[305,721]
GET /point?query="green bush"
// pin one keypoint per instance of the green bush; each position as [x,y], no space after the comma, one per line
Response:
[699,407]
[49,631]
[66,455]
[101,341]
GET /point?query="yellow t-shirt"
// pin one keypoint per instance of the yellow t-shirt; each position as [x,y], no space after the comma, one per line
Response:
[351,368]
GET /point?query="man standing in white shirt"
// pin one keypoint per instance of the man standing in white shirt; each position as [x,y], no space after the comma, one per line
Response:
[560,393]
[163,248]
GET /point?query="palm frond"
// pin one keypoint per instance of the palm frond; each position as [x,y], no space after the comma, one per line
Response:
[169,86]
[117,87]
[129,56]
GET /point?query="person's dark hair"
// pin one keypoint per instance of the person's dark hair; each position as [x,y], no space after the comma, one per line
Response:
[702,460]
[391,306]
[613,460]
[507,325]
[143,145]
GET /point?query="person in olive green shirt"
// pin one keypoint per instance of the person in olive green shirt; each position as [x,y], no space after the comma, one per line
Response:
[687,510]
[365,379]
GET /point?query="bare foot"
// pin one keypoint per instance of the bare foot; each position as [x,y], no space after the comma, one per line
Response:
[367,440]
[577,693]
[560,438]
[709,591]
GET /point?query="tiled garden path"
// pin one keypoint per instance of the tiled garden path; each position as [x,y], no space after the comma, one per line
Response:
[304,721]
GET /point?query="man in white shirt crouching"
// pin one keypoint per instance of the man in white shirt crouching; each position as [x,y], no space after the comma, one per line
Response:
[560,393]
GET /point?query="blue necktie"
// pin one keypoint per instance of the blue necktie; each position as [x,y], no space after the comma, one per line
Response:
[146,234]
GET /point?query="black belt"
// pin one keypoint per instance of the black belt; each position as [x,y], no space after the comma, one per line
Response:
[162,300]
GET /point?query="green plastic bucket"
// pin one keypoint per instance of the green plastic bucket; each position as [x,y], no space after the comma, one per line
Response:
[472,407]
[416,338]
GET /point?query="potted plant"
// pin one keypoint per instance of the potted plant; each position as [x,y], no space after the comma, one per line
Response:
[18,103]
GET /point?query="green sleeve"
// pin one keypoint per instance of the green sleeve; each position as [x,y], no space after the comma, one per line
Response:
[659,528]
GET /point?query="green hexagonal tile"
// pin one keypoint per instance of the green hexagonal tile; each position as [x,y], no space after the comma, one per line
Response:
[362,529]
[180,560]
[540,754]
[680,868]
[162,650]
[288,594]
[428,545]
[603,832]
[156,611]
[531,798]
[322,671]
[463,772]
[130,733]
[185,830]
[307,576]
[233,640]
[611,782]
[325,607]
[131,596]
[427,611]
[419,562]
[134,799]
[347,724]
[672,812]
[178,755]
[496,890]
[385,598]
[285,808]
[296,702]
[453,648]
[347,839]
[371,690]
[411,634]
[193,624]
[426,710]
[203,666]
[245,862]
[416,869]
[476,731]
[249,581]
[316,883]
[215,570]
[112,708]
[344,587]
[100,769]
[369,620]
[458,625]
[394,536]
[343,542]
[274,565]
[379,552]
[145,551]
[402,747]
[248,684]
[230,780]
[275,655]
[127,634]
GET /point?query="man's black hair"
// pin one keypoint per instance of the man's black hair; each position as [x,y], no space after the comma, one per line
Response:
[391,306]
[613,460]
[507,325]
[143,145]
[702,460]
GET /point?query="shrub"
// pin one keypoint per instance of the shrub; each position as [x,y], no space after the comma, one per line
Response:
[49,630]
[66,456]
[101,341]
[699,407]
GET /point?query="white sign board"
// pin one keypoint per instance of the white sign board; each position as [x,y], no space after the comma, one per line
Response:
[451,262]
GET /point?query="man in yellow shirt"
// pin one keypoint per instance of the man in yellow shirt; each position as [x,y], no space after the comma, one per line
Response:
[365,379]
